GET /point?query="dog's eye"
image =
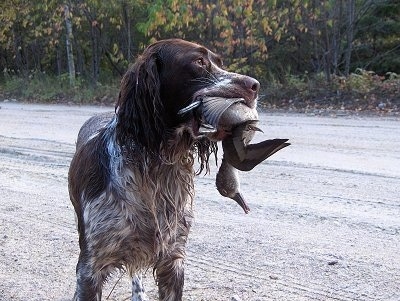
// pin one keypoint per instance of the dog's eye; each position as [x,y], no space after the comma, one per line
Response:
[200,62]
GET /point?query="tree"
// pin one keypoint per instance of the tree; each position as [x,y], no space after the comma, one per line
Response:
[269,39]
[70,54]
[377,39]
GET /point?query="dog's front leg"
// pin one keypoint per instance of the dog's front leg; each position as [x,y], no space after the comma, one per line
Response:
[138,293]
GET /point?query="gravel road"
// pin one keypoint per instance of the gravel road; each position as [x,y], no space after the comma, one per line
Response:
[324,221]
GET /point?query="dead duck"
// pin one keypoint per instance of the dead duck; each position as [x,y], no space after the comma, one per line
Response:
[240,155]
[228,184]
[237,123]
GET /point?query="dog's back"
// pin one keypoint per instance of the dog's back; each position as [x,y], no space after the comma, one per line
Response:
[92,126]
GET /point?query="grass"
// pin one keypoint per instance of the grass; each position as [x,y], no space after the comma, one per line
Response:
[53,89]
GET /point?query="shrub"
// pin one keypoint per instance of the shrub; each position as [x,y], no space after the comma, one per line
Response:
[39,87]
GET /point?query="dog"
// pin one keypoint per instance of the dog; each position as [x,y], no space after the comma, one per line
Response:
[131,178]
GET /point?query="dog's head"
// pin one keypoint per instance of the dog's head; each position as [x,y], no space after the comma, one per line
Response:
[169,76]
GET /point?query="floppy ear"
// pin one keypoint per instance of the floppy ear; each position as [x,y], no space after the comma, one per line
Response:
[139,105]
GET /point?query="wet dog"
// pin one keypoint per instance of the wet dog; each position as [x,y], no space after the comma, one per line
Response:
[131,178]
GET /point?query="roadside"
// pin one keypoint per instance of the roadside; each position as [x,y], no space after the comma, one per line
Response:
[324,221]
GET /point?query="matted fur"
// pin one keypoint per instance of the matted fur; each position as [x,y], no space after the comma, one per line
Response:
[131,179]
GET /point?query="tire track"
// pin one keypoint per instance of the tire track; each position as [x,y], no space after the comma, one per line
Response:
[37,150]
[284,282]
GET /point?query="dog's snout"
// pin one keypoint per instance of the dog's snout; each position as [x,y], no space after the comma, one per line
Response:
[251,84]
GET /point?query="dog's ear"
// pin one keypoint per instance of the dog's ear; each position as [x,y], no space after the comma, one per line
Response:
[139,107]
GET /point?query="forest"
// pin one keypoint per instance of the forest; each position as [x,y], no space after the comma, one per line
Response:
[306,54]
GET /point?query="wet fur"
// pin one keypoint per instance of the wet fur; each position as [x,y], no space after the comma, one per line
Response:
[131,178]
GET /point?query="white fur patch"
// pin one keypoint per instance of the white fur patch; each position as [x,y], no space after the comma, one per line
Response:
[138,293]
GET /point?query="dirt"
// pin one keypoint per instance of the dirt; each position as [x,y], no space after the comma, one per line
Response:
[324,221]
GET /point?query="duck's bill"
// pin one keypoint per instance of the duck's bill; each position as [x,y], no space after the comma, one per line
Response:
[238,198]
[190,107]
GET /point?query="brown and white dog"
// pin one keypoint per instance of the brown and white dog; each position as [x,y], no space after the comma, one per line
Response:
[131,178]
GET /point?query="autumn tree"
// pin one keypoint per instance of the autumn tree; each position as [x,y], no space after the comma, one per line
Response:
[269,39]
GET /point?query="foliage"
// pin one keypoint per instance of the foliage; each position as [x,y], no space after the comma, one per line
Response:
[377,42]
[284,43]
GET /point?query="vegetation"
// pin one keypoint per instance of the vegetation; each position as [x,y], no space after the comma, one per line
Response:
[305,53]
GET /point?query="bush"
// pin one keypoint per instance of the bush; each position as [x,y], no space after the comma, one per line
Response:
[361,90]
[39,87]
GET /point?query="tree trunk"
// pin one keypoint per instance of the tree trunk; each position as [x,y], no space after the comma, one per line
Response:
[17,45]
[80,61]
[58,60]
[70,55]
[316,58]
[336,35]
[127,24]
[95,54]
[350,34]
[327,51]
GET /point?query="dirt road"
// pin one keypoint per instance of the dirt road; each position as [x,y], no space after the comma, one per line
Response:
[324,221]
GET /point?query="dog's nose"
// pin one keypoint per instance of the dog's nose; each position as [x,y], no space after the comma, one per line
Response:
[252,84]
